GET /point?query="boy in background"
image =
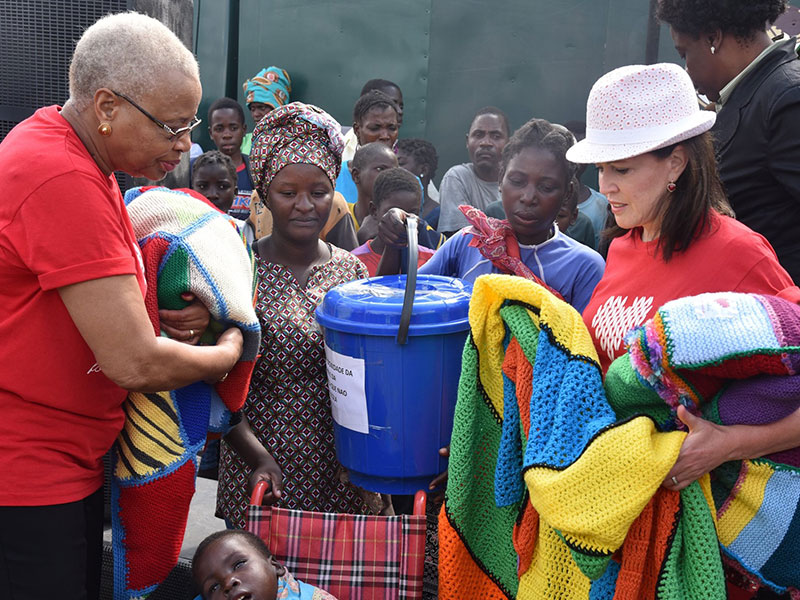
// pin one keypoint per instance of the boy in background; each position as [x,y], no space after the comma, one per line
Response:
[591,203]
[369,161]
[395,188]
[574,223]
[226,127]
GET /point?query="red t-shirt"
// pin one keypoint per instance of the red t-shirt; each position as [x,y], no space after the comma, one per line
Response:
[637,281]
[62,221]
[372,259]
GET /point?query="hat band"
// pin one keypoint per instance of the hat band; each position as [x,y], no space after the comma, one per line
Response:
[641,135]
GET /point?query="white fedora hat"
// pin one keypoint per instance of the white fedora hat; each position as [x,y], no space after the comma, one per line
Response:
[636,109]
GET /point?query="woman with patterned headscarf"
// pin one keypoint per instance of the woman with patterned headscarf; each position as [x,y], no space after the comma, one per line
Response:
[295,160]
[266,91]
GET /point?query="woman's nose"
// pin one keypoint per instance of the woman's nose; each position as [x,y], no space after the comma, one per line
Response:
[603,184]
[304,203]
[528,194]
[183,143]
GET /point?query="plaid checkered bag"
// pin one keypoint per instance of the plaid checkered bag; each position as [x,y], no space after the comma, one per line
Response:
[353,557]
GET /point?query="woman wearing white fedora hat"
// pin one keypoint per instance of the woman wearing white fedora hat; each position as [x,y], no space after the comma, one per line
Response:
[674,236]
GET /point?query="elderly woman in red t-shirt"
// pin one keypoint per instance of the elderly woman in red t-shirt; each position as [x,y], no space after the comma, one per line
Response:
[76,333]
[674,237]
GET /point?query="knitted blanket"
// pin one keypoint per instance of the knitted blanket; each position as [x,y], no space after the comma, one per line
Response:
[546,482]
[734,358]
[187,246]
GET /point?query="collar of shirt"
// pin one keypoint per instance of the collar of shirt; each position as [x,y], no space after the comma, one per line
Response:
[726,92]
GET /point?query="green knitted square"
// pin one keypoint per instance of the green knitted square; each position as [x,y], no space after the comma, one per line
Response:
[693,566]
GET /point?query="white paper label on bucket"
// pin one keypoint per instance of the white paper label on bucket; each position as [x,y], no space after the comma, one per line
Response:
[346,386]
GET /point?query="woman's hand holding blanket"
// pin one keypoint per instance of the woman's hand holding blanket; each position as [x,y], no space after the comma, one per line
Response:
[187,324]
[707,446]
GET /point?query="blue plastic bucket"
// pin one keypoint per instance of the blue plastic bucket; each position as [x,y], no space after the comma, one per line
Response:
[393,403]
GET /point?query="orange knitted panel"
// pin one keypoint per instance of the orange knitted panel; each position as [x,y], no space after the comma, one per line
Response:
[526,532]
[645,547]
[520,370]
[456,565]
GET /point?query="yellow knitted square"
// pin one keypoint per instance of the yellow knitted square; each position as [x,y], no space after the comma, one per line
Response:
[594,500]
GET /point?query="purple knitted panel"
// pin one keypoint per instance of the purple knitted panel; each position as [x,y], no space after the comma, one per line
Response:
[788,315]
[762,400]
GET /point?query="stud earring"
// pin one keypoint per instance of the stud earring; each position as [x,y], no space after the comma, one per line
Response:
[671,186]
[713,50]
[104,129]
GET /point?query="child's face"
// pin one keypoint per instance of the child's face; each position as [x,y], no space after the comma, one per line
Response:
[227,130]
[406,201]
[566,216]
[232,569]
[409,163]
[214,182]
[372,168]
[533,189]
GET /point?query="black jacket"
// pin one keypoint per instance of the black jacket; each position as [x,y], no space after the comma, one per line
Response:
[757,142]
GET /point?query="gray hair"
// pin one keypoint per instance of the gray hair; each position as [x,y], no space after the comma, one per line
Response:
[127,52]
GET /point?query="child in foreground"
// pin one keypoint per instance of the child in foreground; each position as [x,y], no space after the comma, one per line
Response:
[235,563]
[394,188]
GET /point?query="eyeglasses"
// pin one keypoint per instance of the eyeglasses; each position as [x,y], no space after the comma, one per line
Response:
[174,134]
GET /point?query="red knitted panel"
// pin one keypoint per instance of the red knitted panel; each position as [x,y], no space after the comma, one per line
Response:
[153,551]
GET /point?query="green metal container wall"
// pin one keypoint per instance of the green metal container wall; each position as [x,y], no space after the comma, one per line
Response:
[450,57]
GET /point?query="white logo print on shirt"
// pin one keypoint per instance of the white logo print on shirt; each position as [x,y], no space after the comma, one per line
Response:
[613,320]
[95,368]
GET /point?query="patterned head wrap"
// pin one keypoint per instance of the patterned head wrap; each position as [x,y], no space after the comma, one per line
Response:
[291,134]
[270,86]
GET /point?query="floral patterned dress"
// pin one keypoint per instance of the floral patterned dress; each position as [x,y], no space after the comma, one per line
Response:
[288,405]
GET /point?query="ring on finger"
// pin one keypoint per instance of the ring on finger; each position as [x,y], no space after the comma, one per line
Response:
[191,335]
[674,480]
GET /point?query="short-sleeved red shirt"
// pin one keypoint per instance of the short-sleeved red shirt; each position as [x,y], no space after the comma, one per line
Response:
[62,221]
[729,258]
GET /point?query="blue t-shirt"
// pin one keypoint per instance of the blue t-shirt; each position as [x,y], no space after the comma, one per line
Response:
[562,263]
[345,184]
[596,208]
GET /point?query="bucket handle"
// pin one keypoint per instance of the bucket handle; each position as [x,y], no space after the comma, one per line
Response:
[411,279]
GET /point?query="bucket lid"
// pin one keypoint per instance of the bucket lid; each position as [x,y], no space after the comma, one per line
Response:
[373,306]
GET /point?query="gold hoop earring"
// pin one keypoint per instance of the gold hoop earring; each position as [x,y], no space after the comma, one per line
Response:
[104,129]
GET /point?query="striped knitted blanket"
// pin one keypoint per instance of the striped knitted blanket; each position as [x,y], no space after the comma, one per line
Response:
[734,359]
[187,246]
[547,483]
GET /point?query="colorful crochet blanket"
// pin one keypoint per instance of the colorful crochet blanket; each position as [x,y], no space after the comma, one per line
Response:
[547,482]
[187,246]
[734,358]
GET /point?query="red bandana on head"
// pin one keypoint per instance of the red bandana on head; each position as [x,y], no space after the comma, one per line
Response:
[495,240]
